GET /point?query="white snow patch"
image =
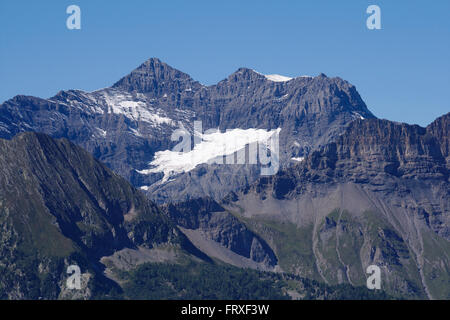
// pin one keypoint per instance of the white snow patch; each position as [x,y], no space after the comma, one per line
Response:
[135,110]
[89,103]
[145,188]
[274,77]
[282,97]
[212,146]
[136,132]
[299,159]
[101,132]
[277,78]
[358,115]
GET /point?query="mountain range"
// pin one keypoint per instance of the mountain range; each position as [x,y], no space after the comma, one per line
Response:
[125,125]
[351,190]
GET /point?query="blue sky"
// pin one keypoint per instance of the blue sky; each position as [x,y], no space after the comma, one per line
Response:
[402,71]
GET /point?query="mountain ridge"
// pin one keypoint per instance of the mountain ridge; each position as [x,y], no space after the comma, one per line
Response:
[126,124]
[60,206]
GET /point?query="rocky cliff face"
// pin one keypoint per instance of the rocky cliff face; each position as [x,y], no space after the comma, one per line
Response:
[125,125]
[440,129]
[378,195]
[374,149]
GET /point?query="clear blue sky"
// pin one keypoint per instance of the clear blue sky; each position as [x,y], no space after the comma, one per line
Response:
[402,71]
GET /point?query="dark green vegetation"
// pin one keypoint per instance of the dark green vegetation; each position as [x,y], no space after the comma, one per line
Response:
[200,281]
[28,281]
[208,281]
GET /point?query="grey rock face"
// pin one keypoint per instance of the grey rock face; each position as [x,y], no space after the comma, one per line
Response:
[440,129]
[378,195]
[372,149]
[125,125]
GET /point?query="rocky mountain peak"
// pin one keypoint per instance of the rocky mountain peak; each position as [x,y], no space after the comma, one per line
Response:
[155,77]
[245,74]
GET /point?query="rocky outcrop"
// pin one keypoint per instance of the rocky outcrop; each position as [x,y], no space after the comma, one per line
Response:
[440,129]
[218,225]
